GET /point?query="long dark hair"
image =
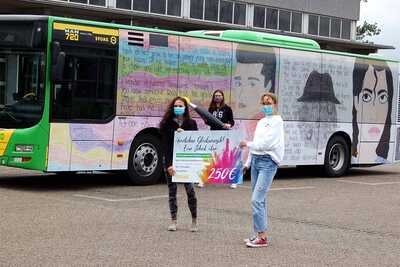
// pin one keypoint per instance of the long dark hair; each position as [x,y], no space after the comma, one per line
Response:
[169,114]
[213,105]
[246,54]
[359,72]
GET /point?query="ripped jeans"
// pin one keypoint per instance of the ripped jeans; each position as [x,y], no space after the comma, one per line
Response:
[263,170]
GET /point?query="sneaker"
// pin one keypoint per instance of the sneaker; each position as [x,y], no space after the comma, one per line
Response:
[233,186]
[194,228]
[257,243]
[201,185]
[246,240]
[172,227]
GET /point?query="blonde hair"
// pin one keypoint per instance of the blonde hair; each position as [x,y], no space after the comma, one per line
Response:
[271,95]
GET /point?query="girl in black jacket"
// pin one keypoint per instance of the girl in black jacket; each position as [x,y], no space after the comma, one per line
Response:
[177,118]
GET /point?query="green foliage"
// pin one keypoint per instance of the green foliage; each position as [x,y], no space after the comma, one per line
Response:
[367,29]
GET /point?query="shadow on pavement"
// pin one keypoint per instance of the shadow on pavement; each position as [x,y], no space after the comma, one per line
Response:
[54,182]
[315,172]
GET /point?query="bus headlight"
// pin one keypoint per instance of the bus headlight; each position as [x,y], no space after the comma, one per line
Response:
[23,148]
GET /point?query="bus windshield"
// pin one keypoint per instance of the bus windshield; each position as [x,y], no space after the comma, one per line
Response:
[21,88]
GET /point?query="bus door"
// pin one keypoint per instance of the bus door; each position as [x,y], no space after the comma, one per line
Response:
[83,99]
[3,74]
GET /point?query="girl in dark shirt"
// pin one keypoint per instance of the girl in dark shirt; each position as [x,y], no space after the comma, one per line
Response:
[177,118]
[221,111]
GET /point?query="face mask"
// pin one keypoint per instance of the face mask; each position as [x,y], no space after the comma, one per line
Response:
[218,99]
[178,111]
[267,110]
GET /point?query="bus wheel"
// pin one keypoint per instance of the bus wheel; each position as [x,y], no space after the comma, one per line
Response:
[337,155]
[145,159]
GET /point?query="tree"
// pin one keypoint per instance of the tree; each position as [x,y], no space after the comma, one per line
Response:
[367,29]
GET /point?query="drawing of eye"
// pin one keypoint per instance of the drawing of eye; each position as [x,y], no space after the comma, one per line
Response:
[237,81]
[382,96]
[366,95]
[238,84]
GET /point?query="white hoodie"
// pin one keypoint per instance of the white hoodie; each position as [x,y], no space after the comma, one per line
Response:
[268,139]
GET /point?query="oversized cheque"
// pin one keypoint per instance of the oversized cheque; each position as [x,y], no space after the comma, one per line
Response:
[210,156]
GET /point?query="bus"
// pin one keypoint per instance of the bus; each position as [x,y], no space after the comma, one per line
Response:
[79,95]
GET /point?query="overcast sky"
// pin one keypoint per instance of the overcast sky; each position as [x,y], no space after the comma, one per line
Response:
[387,14]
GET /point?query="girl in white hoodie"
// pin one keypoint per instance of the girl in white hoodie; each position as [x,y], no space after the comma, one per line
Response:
[265,154]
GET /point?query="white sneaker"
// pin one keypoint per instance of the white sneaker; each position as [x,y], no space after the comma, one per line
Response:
[172,227]
[201,185]
[233,186]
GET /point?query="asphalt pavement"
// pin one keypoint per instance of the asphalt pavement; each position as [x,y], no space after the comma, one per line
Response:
[99,219]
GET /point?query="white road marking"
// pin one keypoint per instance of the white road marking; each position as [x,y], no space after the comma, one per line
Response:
[284,188]
[122,199]
[365,183]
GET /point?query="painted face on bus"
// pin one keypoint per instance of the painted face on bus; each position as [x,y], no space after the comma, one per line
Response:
[249,85]
[373,97]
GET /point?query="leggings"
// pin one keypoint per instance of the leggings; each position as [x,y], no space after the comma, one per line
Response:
[191,197]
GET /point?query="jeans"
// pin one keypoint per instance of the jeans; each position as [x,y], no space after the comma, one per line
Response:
[263,170]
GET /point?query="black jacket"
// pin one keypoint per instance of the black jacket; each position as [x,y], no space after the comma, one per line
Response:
[224,114]
[167,136]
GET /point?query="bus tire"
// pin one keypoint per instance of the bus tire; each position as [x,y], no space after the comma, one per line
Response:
[337,157]
[145,160]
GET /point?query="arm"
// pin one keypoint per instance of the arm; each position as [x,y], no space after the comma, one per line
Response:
[231,121]
[167,137]
[248,161]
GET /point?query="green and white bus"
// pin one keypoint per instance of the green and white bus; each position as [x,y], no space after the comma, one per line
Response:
[79,95]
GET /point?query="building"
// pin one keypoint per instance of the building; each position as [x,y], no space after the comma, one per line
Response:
[331,23]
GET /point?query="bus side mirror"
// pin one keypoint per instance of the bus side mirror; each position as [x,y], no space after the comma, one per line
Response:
[57,62]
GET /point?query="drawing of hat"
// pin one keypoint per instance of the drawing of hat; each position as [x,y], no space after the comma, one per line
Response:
[319,87]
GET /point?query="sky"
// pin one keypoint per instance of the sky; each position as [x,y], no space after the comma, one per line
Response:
[387,14]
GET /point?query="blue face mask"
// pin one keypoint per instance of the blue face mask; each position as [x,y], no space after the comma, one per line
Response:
[179,111]
[267,110]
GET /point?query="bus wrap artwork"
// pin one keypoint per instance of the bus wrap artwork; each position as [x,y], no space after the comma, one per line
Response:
[103,112]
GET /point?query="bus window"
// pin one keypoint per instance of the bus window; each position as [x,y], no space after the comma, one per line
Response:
[21,89]
[87,91]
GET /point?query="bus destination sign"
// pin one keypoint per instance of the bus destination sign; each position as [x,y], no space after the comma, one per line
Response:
[85,34]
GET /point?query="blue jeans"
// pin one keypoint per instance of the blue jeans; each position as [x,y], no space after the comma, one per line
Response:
[263,170]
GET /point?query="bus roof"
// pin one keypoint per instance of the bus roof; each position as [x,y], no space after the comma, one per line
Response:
[239,36]
[261,38]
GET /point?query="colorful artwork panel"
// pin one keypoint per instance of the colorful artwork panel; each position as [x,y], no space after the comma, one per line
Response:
[147,73]
[90,132]
[204,66]
[91,155]
[59,154]
[253,73]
